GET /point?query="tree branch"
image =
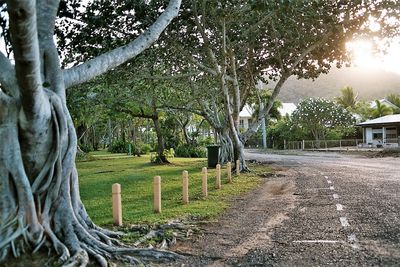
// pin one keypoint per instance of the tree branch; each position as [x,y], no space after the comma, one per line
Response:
[171,77]
[52,73]
[286,74]
[24,40]
[140,114]
[207,69]
[116,57]
[204,35]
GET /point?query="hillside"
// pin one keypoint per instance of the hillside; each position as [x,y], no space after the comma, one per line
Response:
[369,85]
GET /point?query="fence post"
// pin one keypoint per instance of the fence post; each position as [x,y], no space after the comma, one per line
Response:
[218,177]
[185,187]
[204,182]
[284,144]
[229,171]
[116,204]
[157,194]
[340,143]
[303,145]
[238,167]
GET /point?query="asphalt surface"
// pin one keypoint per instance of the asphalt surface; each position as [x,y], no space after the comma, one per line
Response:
[321,209]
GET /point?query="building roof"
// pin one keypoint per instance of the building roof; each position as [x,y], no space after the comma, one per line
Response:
[383,102]
[389,119]
[246,112]
[287,108]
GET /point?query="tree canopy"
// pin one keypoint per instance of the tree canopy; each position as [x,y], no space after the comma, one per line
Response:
[318,115]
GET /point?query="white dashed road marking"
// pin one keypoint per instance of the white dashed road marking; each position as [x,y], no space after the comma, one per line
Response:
[344,222]
[339,207]
[318,241]
[331,188]
[353,241]
[329,181]
[336,196]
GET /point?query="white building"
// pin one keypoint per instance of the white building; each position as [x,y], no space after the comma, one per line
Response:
[383,131]
[383,102]
[246,115]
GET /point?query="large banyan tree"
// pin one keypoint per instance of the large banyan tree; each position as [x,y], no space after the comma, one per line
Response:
[40,204]
[232,45]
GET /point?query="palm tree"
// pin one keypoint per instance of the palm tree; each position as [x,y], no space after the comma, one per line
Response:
[381,110]
[348,98]
[395,100]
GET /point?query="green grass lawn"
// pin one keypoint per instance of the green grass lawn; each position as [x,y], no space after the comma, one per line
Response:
[135,174]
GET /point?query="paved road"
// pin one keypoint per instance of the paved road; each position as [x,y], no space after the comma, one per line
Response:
[322,209]
[347,212]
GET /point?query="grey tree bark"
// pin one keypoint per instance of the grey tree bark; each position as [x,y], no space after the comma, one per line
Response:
[39,192]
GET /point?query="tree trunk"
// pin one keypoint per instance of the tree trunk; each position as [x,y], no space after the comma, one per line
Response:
[186,135]
[110,132]
[226,149]
[160,140]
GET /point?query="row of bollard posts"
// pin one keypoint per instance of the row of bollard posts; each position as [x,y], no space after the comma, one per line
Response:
[116,190]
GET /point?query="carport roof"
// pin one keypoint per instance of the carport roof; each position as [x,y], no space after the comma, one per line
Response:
[389,119]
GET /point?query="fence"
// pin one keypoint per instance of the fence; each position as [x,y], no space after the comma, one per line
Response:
[322,144]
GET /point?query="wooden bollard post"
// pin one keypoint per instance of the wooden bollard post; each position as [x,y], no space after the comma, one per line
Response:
[218,177]
[116,204]
[237,167]
[204,182]
[157,194]
[229,172]
[185,187]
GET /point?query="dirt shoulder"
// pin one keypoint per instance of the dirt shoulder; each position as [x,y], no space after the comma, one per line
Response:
[247,225]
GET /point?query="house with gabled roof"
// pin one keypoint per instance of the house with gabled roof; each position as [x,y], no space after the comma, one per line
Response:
[381,132]
[383,102]
[246,115]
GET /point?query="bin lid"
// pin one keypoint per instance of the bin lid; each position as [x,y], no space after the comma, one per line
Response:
[215,145]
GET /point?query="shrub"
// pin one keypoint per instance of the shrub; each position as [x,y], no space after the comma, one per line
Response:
[145,148]
[119,146]
[168,154]
[86,148]
[206,141]
[190,151]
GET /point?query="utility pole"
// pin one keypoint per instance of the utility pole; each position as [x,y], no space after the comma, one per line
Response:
[263,128]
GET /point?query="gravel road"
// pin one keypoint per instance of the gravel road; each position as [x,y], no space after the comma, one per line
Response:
[320,209]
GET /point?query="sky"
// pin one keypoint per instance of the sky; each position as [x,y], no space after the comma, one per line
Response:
[364,57]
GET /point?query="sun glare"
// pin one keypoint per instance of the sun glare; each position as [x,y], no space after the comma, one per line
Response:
[364,55]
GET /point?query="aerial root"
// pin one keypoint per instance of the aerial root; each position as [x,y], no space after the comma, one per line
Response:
[99,259]
[79,259]
[149,253]
[59,247]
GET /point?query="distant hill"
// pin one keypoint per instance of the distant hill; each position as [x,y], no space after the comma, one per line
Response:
[369,84]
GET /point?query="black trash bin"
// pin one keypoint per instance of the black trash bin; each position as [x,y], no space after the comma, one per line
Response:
[213,155]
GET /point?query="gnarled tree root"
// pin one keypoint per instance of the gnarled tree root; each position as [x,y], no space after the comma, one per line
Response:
[46,210]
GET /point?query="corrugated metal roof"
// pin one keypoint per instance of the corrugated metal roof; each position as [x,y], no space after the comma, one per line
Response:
[382,120]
